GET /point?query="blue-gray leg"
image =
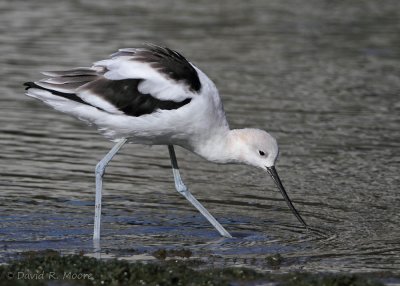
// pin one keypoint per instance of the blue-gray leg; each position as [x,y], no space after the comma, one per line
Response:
[100,169]
[184,191]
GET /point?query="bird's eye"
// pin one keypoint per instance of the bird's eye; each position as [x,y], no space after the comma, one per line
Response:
[261,152]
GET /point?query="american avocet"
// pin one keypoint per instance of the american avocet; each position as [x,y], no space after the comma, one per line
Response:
[153,95]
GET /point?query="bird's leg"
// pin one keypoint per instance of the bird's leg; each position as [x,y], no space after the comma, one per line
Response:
[100,168]
[183,190]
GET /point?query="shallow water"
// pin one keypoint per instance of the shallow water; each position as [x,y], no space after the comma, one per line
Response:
[321,76]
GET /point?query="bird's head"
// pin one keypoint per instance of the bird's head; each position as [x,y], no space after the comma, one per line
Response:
[259,149]
[256,148]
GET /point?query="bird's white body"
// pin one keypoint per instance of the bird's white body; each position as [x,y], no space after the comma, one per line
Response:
[193,126]
[153,96]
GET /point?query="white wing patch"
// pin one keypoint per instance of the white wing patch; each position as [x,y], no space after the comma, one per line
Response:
[97,101]
[153,82]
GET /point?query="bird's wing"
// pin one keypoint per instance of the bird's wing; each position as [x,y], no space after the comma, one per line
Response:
[134,81]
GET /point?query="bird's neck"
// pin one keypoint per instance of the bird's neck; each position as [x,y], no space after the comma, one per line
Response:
[224,147]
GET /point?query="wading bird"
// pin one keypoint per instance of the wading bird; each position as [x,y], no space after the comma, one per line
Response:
[153,95]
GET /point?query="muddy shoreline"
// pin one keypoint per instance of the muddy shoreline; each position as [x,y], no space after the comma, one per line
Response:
[172,267]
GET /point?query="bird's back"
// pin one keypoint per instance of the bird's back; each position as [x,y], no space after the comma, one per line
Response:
[150,95]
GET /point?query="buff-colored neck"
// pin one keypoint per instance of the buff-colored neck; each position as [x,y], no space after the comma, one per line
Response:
[224,147]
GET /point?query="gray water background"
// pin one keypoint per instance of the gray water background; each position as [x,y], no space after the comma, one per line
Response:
[322,76]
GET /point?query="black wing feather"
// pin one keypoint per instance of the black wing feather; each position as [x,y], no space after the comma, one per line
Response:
[124,95]
[70,96]
[171,63]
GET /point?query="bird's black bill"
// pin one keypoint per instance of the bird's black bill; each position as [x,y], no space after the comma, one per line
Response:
[275,177]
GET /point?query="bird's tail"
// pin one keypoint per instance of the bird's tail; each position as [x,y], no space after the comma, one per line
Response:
[59,91]
[61,85]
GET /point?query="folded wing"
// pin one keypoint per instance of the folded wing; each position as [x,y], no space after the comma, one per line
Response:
[133,82]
